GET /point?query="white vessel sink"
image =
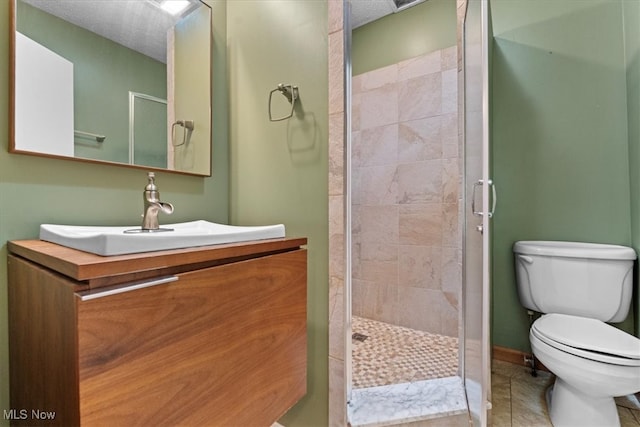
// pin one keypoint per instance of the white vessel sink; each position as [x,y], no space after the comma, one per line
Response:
[120,240]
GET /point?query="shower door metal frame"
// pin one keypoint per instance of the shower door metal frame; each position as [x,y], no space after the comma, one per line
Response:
[348,374]
[133,97]
[475,361]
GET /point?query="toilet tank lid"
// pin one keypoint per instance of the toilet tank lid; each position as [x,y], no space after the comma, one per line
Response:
[574,249]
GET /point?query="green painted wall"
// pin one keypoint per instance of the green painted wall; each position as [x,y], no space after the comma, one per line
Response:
[559,127]
[279,169]
[631,13]
[415,31]
[36,190]
[103,72]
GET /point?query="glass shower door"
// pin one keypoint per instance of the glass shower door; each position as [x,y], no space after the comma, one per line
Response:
[477,189]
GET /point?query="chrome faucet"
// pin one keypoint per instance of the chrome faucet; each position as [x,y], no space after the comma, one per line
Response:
[152,205]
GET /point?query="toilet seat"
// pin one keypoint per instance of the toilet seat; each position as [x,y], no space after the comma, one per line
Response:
[588,338]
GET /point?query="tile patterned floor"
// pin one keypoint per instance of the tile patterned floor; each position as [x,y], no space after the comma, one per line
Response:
[518,398]
[393,354]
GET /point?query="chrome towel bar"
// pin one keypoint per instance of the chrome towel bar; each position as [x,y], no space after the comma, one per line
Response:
[98,138]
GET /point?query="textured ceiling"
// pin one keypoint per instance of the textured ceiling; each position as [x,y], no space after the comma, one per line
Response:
[365,11]
[142,26]
[136,24]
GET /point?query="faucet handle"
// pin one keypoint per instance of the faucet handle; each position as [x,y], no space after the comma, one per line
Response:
[151,186]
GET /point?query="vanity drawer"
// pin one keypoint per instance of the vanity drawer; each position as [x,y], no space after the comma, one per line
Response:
[193,350]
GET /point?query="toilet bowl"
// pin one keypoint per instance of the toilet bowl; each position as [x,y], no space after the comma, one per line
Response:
[593,362]
[578,287]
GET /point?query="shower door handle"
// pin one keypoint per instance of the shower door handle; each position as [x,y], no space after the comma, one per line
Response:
[477,184]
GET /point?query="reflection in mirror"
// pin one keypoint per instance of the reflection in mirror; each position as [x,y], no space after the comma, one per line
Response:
[147,119]
[113,81]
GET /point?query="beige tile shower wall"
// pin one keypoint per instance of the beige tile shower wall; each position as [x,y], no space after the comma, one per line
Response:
[337,385]
[406,250]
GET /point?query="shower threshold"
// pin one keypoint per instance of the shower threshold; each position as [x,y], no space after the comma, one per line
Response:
[408,402]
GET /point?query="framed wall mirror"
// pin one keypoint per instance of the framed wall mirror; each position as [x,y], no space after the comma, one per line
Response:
[123,82]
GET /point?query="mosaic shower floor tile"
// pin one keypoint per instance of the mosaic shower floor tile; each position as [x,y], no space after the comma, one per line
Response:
[385,354]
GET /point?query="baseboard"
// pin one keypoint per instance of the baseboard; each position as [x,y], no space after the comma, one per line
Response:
[516,357]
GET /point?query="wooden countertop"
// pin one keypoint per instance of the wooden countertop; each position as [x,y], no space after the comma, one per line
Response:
[98,271]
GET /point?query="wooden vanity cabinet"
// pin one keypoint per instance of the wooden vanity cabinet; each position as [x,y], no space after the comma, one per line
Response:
[212,336]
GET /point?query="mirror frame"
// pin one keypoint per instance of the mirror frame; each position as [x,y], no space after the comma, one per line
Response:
[13,28]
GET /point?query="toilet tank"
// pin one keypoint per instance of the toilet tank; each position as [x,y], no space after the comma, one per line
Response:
[583,279]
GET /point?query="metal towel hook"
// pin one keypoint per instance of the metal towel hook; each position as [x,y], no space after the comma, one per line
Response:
[291,93]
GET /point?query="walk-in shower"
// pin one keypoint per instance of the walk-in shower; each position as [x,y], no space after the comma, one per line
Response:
[406,250]
[414,153]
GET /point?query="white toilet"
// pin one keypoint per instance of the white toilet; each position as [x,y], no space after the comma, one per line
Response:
[579,287]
